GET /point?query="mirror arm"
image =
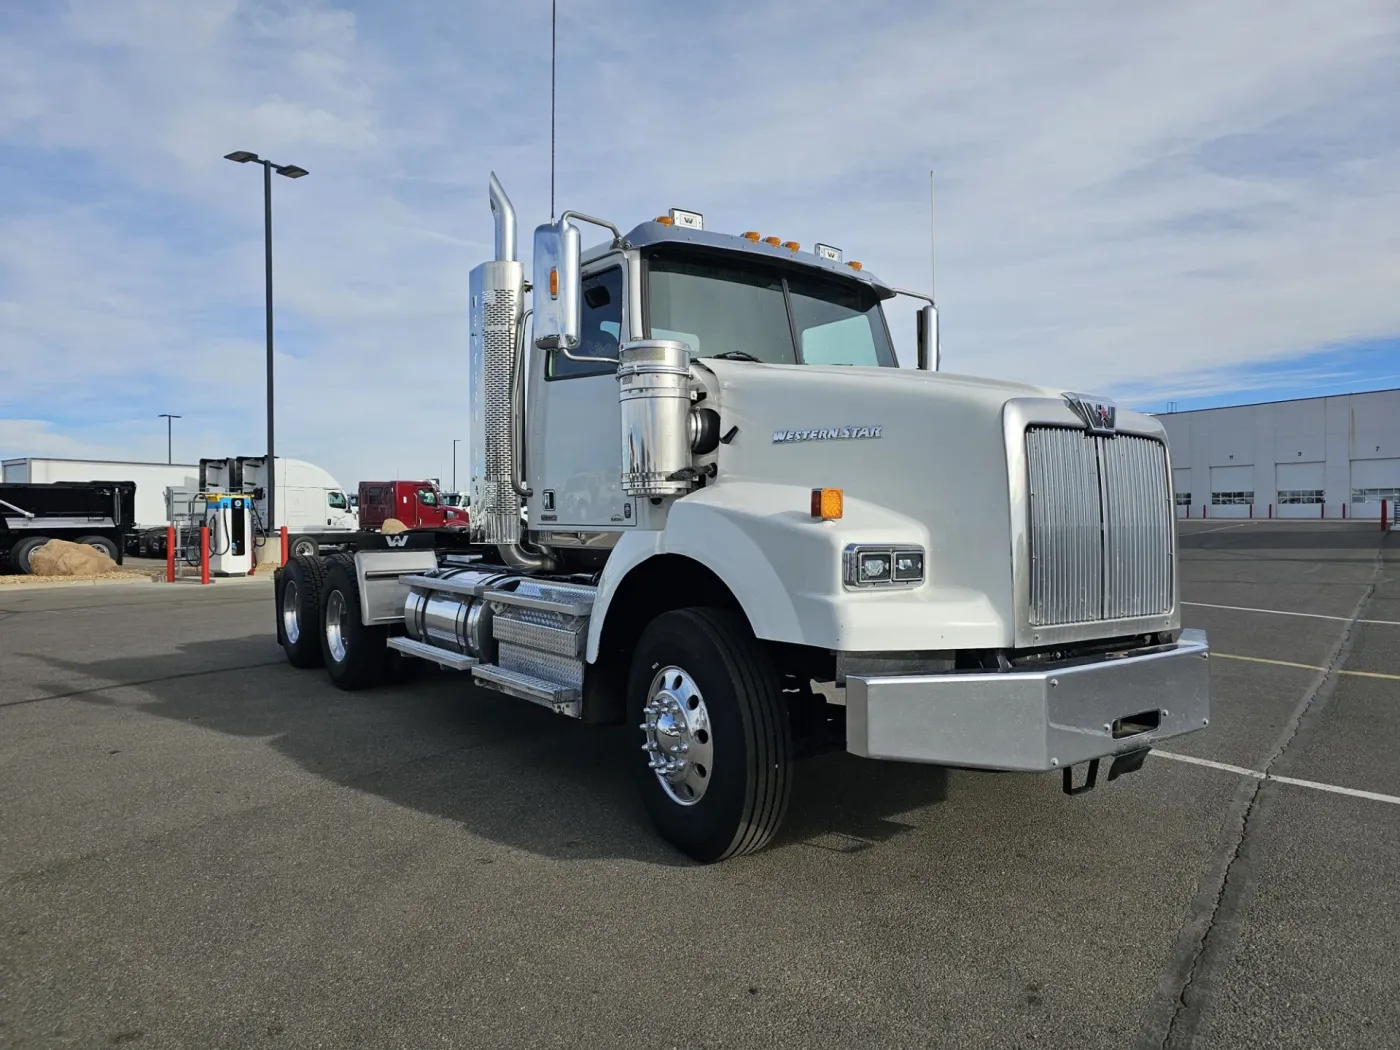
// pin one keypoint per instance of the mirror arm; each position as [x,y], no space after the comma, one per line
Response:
[585,357]
[618,240]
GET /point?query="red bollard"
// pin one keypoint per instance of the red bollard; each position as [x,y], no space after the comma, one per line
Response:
[1384,508]
[204,554]
[170,554]
[283,531]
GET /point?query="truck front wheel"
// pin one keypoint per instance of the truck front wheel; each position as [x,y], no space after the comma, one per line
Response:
[712,734]
[306,546]
[20,552]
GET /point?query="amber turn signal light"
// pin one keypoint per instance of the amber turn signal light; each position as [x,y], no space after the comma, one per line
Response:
[826,504]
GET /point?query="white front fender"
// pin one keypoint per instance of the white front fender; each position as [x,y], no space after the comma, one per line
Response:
[785,570]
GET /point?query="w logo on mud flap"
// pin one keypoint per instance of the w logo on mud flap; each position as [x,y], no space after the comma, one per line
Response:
[400,540]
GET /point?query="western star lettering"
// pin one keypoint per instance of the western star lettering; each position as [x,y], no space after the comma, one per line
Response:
[827,434]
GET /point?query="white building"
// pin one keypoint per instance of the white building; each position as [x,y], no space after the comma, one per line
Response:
[1317,457]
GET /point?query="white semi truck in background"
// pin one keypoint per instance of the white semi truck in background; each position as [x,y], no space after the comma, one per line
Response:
[310,502]
[706,500]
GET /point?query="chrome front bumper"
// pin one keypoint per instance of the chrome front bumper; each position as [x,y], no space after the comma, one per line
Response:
[1032,720]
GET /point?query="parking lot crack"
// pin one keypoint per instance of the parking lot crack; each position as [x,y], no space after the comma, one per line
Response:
[1207,940]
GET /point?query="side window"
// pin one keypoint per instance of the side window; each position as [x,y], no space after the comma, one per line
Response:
[427,497]
[336,500]
[601,329]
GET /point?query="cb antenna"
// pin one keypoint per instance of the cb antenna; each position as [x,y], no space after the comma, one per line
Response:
[932,249]
[553,38]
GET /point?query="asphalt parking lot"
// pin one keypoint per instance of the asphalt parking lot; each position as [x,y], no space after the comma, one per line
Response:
[202,847]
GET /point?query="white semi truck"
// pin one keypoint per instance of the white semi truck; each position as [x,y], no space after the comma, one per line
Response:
[754,537]
[310,502]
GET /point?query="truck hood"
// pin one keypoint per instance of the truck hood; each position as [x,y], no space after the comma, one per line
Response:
[921,457]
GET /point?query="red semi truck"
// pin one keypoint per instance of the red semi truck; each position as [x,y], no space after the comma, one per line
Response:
[418,504]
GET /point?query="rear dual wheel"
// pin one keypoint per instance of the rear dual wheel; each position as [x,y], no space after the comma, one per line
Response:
[299,586]
[356,655]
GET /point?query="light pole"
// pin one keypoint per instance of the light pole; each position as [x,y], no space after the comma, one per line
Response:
[169,422]
[291,171]
[454,463]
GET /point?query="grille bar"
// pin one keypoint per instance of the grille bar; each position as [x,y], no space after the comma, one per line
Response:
[1100,527]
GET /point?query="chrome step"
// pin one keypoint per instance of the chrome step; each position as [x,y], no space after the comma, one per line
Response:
[561,699]
[452,661]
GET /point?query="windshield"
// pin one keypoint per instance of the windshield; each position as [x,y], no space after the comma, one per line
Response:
[724,304]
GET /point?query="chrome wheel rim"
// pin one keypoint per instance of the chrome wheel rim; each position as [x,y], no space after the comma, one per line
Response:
[679,747]
[291,619]
[335,618]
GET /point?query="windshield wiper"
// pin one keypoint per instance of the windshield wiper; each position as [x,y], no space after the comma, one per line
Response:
[737,355]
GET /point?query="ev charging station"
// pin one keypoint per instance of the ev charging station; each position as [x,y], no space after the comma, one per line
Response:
[230,521]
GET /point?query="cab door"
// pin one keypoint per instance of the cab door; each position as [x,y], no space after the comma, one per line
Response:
[575,448]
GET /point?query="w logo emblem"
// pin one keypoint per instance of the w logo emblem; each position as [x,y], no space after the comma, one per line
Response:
[400,540]
[1100,415]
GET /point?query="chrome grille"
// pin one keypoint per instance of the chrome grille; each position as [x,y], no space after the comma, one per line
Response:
[1100,526]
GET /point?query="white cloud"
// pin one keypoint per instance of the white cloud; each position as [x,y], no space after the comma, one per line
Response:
[1148,199]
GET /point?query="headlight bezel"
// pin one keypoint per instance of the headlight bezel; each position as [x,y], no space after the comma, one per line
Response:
[895,577]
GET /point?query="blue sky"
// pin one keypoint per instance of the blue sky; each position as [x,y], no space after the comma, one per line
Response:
[1191,202]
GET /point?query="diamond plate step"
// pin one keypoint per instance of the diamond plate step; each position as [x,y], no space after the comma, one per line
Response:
[447,658]
[562,699]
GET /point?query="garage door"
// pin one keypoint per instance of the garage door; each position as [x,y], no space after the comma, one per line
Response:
[1231,492]
[1299,490]
[1373,480]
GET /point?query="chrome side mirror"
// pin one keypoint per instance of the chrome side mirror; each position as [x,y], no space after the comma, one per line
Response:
[558,318]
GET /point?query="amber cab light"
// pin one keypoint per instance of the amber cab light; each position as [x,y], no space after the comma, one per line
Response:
[826,504]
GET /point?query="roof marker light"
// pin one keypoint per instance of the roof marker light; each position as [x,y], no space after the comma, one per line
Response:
[792,246]
[665,220]
[751,235]
[854,265]
[774,241]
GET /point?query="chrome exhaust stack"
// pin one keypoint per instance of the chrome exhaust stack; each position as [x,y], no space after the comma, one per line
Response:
[497,290]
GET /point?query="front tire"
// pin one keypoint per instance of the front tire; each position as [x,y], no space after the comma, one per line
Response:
[20,552]
[299,586]
[355,655]
[306,546]
[712,734]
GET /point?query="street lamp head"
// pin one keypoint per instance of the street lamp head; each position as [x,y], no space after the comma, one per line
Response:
[242,156]
[292,171]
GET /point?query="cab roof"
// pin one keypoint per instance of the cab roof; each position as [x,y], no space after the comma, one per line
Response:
[652,234]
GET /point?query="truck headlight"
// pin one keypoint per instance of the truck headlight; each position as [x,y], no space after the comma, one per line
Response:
[878,566]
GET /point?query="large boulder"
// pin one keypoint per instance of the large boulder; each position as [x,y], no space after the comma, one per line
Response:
[64,558]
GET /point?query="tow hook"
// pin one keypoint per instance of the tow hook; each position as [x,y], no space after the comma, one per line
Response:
[1127,762]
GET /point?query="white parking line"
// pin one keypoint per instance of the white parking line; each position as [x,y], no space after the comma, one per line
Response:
[1306,667]
[1202,532]
[1280,612]
[1334,789]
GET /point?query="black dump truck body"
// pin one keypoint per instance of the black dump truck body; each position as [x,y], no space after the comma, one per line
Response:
[98,513]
